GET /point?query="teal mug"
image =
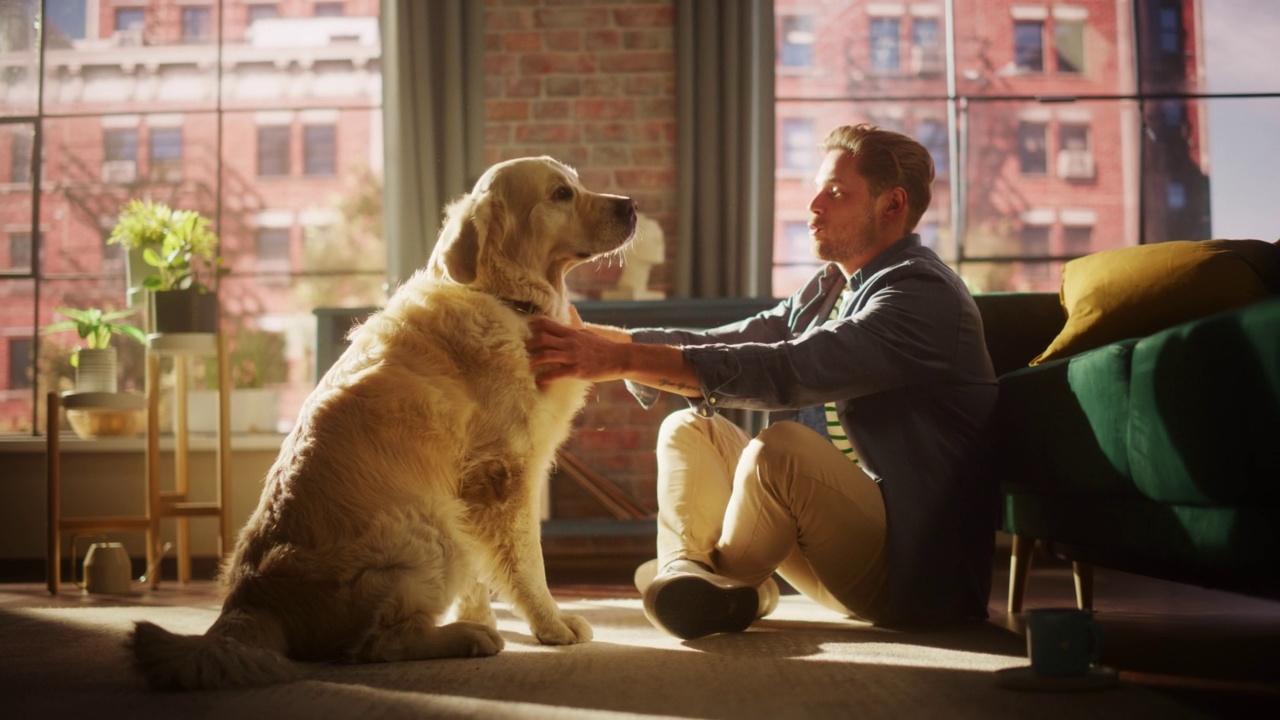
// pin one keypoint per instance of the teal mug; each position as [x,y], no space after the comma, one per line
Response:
[1062,642]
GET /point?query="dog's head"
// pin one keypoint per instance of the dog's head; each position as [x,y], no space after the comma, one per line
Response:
[528,218]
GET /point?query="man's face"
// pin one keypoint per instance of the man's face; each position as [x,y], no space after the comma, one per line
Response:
[842,215]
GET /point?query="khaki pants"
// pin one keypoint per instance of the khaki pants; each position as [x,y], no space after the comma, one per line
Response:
[787,501]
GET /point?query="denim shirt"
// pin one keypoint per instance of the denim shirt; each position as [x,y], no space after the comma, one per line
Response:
[907,366]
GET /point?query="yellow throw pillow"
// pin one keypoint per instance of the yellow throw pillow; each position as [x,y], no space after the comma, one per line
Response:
[1134,291]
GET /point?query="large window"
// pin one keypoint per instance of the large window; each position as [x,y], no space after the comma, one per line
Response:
[139,101]
[1057,129]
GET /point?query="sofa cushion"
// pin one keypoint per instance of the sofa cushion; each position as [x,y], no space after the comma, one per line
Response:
[1018,326]
[1204,427]
[1233,547]
[1135,291]
[1061,426]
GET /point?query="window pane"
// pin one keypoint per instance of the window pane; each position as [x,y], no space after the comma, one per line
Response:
[1236,35]
[273,150]
[197,24]
[116,69]
[884,44]
[17,141]
[66,20]
[1028,39]
[17,306]
[1085,155]
[125,116]
[795,46]
[19,84]
[319,150]
[1068,45]
[799,146]
[1033,157]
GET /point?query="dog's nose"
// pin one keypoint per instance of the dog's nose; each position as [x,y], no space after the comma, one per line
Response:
[625,207]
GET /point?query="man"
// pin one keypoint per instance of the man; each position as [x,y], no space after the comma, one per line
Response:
[868,491]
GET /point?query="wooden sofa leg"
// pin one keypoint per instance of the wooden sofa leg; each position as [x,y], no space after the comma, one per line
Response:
[1019,569]
[1083,573]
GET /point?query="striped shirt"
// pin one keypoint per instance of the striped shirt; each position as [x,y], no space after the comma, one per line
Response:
[834,430]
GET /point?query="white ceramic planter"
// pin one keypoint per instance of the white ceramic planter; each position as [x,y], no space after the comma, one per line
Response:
[96,370]
[253,410]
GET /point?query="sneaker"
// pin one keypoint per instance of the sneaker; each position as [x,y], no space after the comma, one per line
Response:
[689,601]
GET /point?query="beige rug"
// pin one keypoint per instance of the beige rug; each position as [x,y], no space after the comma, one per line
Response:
[803,662]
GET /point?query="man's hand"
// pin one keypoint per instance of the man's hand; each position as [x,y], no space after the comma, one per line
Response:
[598,353]
[558,351]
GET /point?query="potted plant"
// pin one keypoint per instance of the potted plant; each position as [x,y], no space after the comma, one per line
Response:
[183,255]
[258,367]
[95,363]
[104,412]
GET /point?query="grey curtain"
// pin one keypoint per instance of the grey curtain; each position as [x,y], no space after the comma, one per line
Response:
[725,147]
[433,120]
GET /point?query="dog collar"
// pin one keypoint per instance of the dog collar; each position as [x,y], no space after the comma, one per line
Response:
[523,307]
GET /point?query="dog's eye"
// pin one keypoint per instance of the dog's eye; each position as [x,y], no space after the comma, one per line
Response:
[562,193]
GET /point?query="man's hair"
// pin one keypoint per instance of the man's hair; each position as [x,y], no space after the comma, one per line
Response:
[888,160]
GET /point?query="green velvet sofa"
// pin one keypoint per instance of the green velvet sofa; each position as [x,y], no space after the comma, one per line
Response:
[1157,455]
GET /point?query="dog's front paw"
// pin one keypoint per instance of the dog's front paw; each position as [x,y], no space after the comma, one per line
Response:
[485,641]
[564,630]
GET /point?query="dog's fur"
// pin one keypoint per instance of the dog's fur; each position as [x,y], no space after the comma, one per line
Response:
[411,480]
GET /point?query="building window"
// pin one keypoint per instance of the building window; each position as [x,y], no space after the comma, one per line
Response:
[197,24]
[262,12]
[320,152]
[926,46]
[1170,30]
[933,135]
[20,157]
[19,251]
[1075,159]
[1035,244]
[1032,148]
[327,9]
[1028,45]
[21,363]
[1077,240]
[120,155]
[884,44]
[166,154]
[273,150]
[1068,45]
[798,144]
[68,16]
[120,144]
[1176,194]
[131,19]
[796,47]
[273,245]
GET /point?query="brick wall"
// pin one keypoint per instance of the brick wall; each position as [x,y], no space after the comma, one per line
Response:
[592,84]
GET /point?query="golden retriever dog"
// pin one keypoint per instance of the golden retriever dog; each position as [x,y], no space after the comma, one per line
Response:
[410,483]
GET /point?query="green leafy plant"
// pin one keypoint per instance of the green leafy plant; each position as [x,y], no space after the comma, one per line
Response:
[177,243]
[96,327]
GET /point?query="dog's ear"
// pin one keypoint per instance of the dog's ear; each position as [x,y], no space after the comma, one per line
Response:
[457,250]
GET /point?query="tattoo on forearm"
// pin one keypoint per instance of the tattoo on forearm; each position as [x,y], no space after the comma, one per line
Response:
[675,384]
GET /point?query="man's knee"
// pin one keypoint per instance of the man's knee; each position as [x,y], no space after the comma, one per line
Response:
[677,426]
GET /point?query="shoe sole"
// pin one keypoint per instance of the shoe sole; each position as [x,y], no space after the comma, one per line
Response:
[689,607]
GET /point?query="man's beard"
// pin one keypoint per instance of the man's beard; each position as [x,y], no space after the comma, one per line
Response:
[862,236]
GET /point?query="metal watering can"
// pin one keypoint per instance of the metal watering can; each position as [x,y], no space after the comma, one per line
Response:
[106,569]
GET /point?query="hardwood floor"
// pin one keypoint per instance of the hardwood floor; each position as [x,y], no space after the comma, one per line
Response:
[1214,651]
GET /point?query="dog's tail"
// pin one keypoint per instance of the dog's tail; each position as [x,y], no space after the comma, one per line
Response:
[211,661]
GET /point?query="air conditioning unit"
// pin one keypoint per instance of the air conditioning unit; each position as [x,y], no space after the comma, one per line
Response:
[1075,164]
[131,37]
[926,60]
[119,171]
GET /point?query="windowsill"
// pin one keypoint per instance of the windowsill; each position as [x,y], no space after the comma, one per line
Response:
[70,443]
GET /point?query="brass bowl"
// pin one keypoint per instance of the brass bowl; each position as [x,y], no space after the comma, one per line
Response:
[106,422]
